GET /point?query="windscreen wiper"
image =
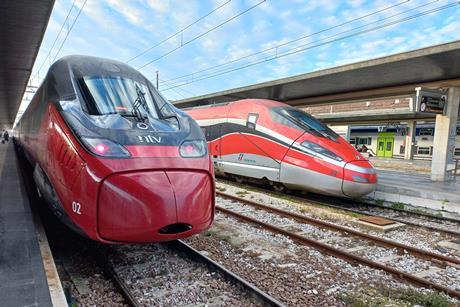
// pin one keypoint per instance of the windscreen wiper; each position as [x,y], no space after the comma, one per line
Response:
[140,101]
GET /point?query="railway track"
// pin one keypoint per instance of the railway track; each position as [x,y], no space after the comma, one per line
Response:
[336,235]
[418,219]
[122,282]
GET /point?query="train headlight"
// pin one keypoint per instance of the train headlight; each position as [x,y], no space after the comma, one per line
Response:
[360,179]
[105,148]
[193,149]
[320,150]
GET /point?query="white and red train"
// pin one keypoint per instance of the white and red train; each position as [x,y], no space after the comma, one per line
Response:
[269,141]
[114,159]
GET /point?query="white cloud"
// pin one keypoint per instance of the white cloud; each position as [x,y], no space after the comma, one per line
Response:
[159,6]
[132,14]
[121,29]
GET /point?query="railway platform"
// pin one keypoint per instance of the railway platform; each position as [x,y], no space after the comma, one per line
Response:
[22,275]
[416,189]
[412,166]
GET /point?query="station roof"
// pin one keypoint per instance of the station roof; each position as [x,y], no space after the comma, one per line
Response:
[398,74]
[22,27]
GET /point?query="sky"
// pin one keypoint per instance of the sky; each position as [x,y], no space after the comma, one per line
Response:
[233,43]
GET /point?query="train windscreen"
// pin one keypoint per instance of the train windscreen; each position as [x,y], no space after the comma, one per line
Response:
[303,121]
[117,95]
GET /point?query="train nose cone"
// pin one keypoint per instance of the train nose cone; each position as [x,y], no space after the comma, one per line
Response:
[154,205]
[194,193]
[359,179]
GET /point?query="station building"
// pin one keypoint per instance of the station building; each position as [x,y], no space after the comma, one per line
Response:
[384,139]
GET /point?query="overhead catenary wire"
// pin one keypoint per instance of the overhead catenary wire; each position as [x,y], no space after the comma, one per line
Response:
[179,31]
[317,45]
[291,41]
[202,34]
[182,89]
[70,30]
[179,93]
[57,36]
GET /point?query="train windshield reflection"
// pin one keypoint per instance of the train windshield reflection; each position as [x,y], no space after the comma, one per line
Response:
[116,95]
[301,120]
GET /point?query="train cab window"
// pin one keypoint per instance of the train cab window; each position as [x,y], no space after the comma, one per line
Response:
[252,120]
[301,120]
[117,95]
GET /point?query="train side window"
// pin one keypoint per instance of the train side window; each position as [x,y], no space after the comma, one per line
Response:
[252,120]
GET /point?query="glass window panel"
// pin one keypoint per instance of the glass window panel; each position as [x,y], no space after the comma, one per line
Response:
[116,95]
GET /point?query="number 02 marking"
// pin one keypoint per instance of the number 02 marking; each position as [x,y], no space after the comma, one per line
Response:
[76,207]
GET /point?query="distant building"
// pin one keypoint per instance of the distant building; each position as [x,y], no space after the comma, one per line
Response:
[384,139]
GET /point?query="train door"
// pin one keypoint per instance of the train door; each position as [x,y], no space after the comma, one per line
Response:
[385,144]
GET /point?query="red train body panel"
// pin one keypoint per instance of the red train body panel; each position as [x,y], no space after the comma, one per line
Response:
[141,175]
[268,140]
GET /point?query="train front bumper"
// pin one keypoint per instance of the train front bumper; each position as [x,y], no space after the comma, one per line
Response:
[150,206]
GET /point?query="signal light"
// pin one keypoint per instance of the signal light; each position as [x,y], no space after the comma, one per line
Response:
[193,149]
[360,179]
[101,149]
[105,147]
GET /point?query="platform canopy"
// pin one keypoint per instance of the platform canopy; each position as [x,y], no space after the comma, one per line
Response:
[22,27]
[436,66]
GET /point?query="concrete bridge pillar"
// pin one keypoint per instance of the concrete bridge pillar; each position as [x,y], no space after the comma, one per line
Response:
[444,137]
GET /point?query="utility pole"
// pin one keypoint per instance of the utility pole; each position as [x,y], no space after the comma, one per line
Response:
[158,79]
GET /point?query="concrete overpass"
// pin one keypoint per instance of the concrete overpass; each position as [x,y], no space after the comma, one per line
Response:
[435,67]
[22,27]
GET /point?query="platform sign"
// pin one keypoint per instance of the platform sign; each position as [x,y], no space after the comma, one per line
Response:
[430,101]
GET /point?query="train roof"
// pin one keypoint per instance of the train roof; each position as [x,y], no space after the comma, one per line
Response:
[60,75]
[264,102]
[83,65]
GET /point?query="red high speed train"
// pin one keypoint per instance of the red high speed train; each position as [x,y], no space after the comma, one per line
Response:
[267,140]
[114,159]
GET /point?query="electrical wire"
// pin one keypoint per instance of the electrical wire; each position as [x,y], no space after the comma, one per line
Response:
[57,36]
[182,89]
[202,34]
[178,32]
[292,41]
[322,44]
[70,29]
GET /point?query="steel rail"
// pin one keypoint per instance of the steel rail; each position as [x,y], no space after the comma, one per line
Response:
[121,286]
[370,204]
[382,241]
[179,245]
[261,296]
[395,219]
[349,257]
